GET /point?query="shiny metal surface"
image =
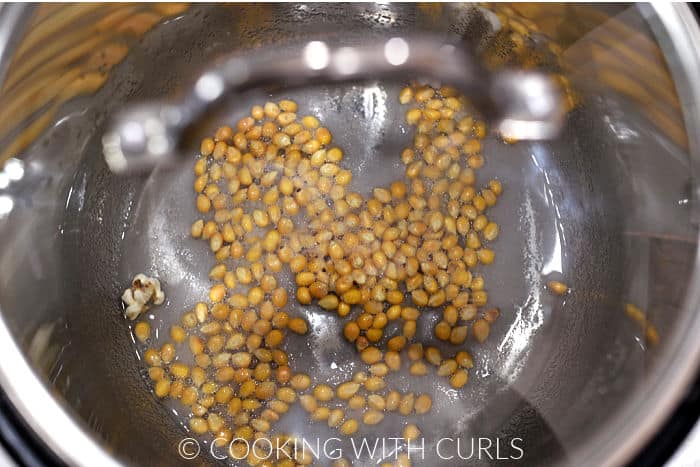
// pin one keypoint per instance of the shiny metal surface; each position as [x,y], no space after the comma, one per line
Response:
[604,207]
[521,105]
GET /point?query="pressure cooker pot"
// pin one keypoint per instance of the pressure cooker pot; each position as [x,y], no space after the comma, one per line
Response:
[483,247]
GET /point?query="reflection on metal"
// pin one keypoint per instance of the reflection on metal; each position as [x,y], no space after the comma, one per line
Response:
[68,51]
[316,55]
[396,51]
[525,105]
[651,335]
[14,168]
[529,315]
[614,53]
[12,172]
[6,205]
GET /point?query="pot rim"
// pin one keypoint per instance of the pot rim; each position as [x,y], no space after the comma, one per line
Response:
[68,438]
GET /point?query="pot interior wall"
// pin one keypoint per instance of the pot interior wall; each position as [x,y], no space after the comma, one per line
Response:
[584,209]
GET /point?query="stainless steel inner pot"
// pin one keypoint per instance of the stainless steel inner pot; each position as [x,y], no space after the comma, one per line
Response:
[608,207]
